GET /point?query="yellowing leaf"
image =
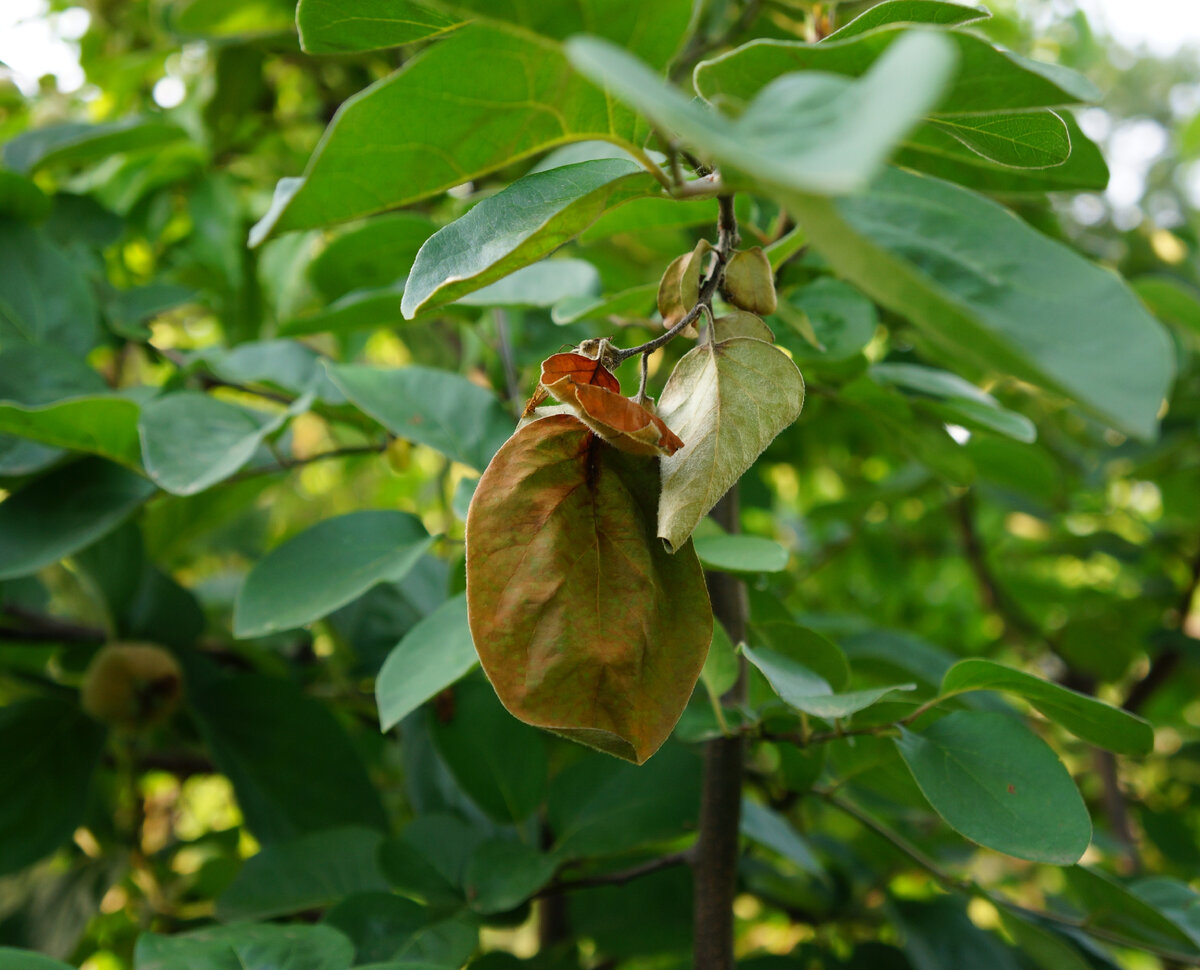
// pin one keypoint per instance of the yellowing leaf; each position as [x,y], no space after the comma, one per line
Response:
[727,401]
[583,623]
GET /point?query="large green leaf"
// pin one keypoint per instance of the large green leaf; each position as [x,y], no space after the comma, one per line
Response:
[583,622]
[842,320]
[810,132]
[997,783]
[11,959]
[44,297]
[345,26]
[73,142]
[431,407]
[246,946]
[357,310]
[433,655]
[987,80]
[931,12]
[807,692]
[503,874]
[986,286]
[1096,722]
[1171,300]
[53,397]
[64,511]
[522,223]
[311,872]
[192,440]
[741,553]
[599,807]
[543,284]
[292,766]
[936,152]
[496,759]
[726,401]
[325,567]
[1111,906]
[50,753]
[377,253]
[1023,139]
[484,97]
[21,199]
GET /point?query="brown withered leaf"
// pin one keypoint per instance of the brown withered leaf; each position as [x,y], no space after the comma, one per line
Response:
[750,281]
[595,395]
[584,624]
[680,287]
[573,368]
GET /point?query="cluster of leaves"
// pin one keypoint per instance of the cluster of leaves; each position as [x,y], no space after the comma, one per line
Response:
[260,459]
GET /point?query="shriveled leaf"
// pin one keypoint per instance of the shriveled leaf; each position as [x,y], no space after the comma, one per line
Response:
[679,288]
[325,567]
[726,401]
[445,411]
[986,286]
[1094,721]
[750,282]
[527,220]
[585,625]
[810,131]
[434,654]
[997,783]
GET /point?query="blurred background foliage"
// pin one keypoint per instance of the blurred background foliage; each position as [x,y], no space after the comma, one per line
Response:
[1076,555]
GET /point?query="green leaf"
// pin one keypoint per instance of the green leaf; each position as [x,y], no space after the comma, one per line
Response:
[192,440]
[339,28]
[1171,300]
[533,101]
[541,285]
[428,861]
[938,935]
[986,286]
[128,310]
[325,567]
[720,671]
[12,959]
[44,296]
[496,759]
[599,807]
[1094,721]
[773,831]
[375,254]
[842,320]
[609,651]
[988,80]
[808,132]
[805,691]
[232,18]
[21,199]
[975,416]
[434,654]
[53,397]
[1175,899]
[311,872]
[635,303]
[997,783]
[502,874]
[1025,139]
[931,12]
[643,215]
[292,766]
[741,554]
[431,407]
[934,151]
[1045,948]
[516,227]
[726,401]
[357,310]
[51,752]
[378,924]
[1111,906]
[65,511]
[72,142]
[246,946]
[808,648]
[286,364]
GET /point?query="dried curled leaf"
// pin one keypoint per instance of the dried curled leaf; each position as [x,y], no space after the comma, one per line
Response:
[750,281]
[583,623]
[727,400]
[679,290]
[595,396]
[568,370]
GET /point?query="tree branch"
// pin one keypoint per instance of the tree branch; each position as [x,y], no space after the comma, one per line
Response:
[35,628]
[618,878]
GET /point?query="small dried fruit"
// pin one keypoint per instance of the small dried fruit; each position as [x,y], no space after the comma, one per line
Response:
[750,281]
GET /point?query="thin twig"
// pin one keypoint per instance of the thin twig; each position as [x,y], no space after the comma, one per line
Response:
[504,345]
[37,628]
[618,878]
[286,465]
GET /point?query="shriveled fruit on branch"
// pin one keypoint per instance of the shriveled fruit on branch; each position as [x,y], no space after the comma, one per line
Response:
[750,281]
[595,395]
[583,623]
[727,400]
[679,290]
[132,685]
